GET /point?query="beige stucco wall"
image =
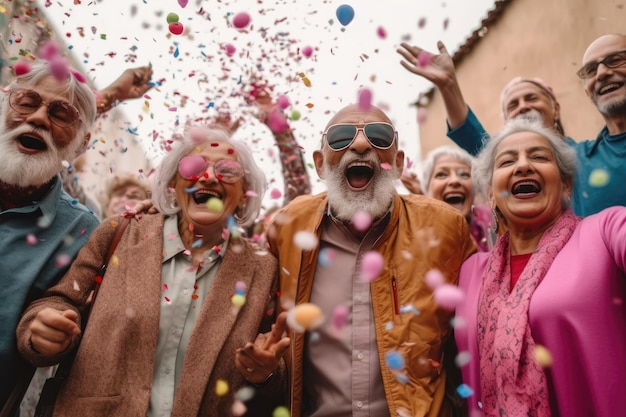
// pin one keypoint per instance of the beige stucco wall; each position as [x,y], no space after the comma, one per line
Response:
[532,38]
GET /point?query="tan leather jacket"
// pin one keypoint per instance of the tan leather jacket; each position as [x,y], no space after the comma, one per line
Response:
[422,234]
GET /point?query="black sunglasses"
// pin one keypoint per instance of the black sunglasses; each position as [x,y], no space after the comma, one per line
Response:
[60,112]
[380,135]
[614,60]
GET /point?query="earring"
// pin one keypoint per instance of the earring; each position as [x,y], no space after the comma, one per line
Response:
[171,201]
[494,220]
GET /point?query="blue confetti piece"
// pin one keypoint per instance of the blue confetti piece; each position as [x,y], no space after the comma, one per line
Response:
[197,244]
[394,360]
[464,391]
[409,309]
[191,190]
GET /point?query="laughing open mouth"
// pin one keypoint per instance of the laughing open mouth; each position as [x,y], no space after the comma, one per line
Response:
[526,187]
[359,175]
[32,142]
[608,88]
[202,196]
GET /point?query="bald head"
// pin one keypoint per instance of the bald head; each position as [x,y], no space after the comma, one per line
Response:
[354,114]
[603,46]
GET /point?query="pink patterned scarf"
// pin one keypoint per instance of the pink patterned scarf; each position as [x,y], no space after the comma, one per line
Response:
[512,382]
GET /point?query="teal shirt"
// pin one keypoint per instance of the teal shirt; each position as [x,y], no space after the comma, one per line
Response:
[600,169]
[37,244]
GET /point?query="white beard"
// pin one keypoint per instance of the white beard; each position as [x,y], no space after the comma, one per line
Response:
[23,170]
[374,200]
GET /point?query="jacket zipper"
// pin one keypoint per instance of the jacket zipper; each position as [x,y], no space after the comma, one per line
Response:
[394,290]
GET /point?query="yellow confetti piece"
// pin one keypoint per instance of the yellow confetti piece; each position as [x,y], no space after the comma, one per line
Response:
[543,356]
[599,178]
[281,412]
[115,260]
[221,388]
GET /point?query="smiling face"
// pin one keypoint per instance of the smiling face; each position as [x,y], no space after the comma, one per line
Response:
[526,183]
[31,146]
[607,88]
[525,96]
[359,177]
[451,181]
[207,202]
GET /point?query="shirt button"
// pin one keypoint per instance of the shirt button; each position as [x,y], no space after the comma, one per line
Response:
[185,291]
[359,404]
[359,355]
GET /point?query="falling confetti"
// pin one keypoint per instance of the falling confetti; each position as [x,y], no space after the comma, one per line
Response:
[345,14]
[372,265]
[304,317]
[449,296]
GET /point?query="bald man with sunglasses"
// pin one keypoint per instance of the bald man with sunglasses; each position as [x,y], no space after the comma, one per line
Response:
[384,345]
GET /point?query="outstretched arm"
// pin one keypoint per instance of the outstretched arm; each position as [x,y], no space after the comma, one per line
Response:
[438,69]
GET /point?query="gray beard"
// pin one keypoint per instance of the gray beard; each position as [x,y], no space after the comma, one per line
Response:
[23,170]
[375,199]
[613,108]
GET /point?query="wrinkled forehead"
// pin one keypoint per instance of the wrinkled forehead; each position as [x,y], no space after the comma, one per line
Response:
[522,89]
[214,150]
[355,115]
[604,46]
[47,87]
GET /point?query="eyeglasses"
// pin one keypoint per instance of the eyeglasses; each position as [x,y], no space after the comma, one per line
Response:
[60,112]
[380,135]
[194,166]
[614,60]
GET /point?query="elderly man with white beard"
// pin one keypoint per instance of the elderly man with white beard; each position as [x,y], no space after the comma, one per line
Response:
[43,121]
[358,254]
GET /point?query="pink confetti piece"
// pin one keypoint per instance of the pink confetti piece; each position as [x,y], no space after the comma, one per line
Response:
[21,67]
[386,166]
[241,20]
[381,32]
[283,101]
[434,279]
[182,3]
[339,317]
[277,122]
[275,194]
[59,68]
[230,49]
[365,99]
[361,220]
[31,239]
[307,51]
[449,296]
[424,58]
[372,265]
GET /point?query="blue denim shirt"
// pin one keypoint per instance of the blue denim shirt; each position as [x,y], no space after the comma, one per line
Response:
[38,242]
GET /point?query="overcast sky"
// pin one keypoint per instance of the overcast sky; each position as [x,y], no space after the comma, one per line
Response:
[197,74]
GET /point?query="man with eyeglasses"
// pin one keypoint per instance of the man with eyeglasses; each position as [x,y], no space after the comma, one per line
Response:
[598,183]
[382,348]
[44,120]
[601,166]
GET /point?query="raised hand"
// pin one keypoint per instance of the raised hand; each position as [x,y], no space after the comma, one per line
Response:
[133,83]
[439,69]
[259,360]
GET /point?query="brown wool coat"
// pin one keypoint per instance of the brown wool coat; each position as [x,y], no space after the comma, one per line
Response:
[112,372]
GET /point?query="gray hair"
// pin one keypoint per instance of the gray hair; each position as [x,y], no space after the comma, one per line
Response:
[254,178]
[565,156]
[429,163]
[78,93]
